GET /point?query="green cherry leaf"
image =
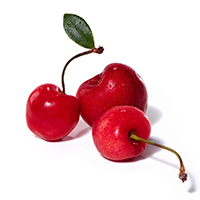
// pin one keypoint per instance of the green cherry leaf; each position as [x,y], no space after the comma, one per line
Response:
[78,30]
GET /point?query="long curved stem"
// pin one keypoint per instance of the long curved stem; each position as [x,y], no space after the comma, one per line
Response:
[182,174]
[98,50]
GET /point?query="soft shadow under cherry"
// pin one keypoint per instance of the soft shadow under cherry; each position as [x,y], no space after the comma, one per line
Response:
[151,150]
[154,114]
[80,130]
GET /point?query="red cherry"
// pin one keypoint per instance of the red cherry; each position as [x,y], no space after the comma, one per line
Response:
[112,130]
[122,133]
[50,114]
[117,85]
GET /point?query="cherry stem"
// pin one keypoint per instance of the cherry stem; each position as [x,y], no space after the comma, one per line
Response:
[98,50]
[182,174]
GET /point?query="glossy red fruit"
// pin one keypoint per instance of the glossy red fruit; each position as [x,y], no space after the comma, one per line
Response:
[112,130]
[117,85]
[50,114]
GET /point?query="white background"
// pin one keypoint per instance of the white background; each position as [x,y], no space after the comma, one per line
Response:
[159,39]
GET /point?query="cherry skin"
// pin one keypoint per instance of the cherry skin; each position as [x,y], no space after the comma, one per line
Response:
[117,85]
[111,133]
[50,114]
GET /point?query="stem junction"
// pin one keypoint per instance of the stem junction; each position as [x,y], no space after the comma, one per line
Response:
[98,50]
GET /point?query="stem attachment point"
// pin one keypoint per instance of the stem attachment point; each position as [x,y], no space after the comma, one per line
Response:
[98,50]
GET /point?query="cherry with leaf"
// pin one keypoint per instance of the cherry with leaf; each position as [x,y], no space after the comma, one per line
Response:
[50,113]
[120,130]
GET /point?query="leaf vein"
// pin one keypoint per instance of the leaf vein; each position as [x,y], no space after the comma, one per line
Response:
[83,36]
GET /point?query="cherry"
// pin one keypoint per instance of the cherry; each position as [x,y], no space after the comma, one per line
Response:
[118,84]
[122,133]
[50,114]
